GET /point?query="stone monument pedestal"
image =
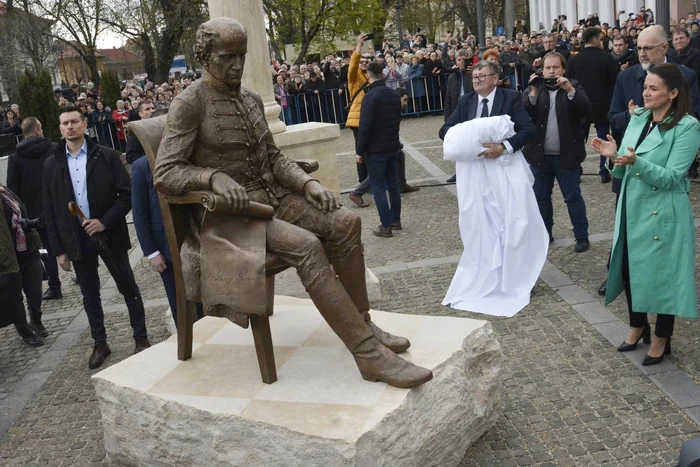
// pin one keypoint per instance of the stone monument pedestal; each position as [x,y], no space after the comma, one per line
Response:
[214,410]
[314,140]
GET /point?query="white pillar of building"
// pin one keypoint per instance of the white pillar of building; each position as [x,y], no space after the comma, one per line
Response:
[534,4]
[256,74]
[571,14]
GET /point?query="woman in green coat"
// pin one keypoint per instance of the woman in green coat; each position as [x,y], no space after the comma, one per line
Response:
[653,254]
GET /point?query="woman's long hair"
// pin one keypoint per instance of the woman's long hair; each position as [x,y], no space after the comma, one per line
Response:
[673,78]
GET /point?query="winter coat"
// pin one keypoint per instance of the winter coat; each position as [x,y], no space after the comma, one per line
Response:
[25,172]
[109,197]
[570,115]
[356,81]
[655,216]
[415,84]
[380,118]
[14,128]
[596,71]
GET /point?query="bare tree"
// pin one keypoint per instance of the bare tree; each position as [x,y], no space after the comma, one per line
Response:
[160,28]
[77,24]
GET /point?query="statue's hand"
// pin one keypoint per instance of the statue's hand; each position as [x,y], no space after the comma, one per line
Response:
[322,198]
[235,194]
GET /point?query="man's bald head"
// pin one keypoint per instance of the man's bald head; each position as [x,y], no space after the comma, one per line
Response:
[652,45]
[657,33]
[216,29]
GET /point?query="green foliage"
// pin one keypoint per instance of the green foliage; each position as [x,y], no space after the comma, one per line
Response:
[36,99]
[319,22]
[111,89]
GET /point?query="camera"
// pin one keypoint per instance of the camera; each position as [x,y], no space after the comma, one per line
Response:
[370,36]
[550,82]
[30,224]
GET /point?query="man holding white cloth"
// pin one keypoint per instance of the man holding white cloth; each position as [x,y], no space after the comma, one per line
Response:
[505,241]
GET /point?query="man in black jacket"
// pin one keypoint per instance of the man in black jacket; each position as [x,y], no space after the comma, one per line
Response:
[134,150]
[688,56]
[458,84]
[95,178]
[557,152]
[25,172]
[378,145]
[596,71]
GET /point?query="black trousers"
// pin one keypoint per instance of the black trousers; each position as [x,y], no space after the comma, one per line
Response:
[50,263]
[89,281]
[28,279]
[362,172]
[168,278]
[664,323]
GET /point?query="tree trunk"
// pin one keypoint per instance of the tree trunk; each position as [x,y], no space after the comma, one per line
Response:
[91,62]
[149,61]
[509,19]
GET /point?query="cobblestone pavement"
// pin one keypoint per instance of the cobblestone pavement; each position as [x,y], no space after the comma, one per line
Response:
[568,398]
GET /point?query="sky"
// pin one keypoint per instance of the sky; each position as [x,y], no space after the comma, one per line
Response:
[108,40]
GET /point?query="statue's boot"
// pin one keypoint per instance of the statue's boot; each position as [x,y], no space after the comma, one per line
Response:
[351,272]
[375,362]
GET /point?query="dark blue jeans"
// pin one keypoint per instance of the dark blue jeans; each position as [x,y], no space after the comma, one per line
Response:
[570,185]
[384,176]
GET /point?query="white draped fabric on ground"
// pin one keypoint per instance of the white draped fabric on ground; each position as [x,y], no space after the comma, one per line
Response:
[505,240]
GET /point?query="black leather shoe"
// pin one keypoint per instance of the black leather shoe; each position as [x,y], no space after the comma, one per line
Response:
[29,336]
[396,226]
[39,329]
[452,179]
[603,288]
[141,345]
[383,232]
[582,245]
[99,353]
[605,179]
[409,189]
[52,294]
[645,336]
[693,173]
[656,360]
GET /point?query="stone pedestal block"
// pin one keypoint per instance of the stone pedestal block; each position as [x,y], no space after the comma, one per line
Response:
[314,140]
[214,410]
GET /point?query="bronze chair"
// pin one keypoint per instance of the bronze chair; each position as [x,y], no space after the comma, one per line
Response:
[149,132]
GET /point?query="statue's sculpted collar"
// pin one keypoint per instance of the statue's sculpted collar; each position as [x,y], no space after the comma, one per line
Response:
[219,85]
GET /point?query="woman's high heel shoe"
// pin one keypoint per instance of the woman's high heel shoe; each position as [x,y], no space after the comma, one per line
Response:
[656,360]
[644,337]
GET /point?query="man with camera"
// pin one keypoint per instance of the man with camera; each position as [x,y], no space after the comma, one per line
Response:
[558,106]
[25,172]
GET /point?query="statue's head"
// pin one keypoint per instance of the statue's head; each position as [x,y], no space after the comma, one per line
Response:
[221,47]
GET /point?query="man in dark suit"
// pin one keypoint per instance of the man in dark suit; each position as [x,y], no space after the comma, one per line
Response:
[652,47]
[94,177]
[148,221]
[596,71]
[490,100]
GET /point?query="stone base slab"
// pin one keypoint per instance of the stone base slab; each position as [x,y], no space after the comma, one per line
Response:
[214,410]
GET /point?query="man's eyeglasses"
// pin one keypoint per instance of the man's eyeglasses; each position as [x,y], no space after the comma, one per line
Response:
[364,61]
[481,78]
[648,48]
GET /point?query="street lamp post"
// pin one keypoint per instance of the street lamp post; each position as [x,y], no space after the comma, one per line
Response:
[398,7]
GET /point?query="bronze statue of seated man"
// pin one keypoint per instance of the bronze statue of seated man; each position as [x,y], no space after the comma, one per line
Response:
[216,138]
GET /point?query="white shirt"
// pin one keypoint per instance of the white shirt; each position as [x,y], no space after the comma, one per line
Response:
[491,97]
[77,167]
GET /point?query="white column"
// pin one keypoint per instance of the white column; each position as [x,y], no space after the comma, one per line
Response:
[256,74]
[571,14]
[533,14]
[540,13]
[606,13]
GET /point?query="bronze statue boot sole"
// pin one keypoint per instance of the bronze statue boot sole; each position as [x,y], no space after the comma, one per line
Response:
[381,364]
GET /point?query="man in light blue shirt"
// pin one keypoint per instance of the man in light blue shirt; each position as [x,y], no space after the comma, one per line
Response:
[100,186]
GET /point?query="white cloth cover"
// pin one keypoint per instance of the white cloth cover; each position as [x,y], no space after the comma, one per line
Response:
[504,237]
